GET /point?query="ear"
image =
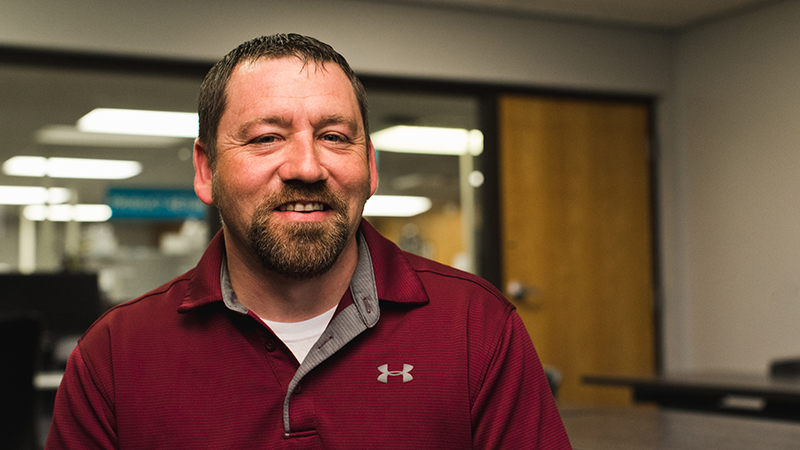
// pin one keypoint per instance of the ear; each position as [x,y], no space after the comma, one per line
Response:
[373,169]
[202,172]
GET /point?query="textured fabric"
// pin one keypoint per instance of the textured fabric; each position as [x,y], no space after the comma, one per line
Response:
[449,364]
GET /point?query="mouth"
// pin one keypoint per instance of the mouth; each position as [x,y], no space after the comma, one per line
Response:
[303,207]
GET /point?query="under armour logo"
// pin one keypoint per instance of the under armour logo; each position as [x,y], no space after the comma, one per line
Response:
[386,373]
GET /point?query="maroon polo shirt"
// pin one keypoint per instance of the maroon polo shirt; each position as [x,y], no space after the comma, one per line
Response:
[418,355]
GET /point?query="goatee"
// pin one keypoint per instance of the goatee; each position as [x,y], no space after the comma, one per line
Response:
[300,250]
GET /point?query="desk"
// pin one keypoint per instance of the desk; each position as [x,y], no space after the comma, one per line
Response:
[46,385]
[642,428]
[752,395]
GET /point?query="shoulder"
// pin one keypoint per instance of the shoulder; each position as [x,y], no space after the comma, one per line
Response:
[437,277]
[165,304]
[140,313]
[408,278]
[169,294]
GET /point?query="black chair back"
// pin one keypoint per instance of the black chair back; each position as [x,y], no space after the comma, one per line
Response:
[19,350]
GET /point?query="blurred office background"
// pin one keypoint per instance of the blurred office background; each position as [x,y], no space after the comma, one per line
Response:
[694,229]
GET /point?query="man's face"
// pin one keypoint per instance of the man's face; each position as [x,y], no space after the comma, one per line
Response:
[293,170]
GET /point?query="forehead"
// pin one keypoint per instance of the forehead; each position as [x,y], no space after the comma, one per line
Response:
[288,78]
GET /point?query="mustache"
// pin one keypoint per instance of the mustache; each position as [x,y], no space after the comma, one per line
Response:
[294,191]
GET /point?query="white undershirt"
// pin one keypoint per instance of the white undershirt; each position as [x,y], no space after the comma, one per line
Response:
[301,336]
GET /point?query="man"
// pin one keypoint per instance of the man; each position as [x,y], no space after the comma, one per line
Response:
[302,327]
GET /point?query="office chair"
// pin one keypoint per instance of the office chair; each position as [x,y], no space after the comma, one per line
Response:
[785,368]
[553,378]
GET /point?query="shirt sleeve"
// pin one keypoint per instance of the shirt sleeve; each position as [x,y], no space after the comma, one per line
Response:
[515,407]
[83,416]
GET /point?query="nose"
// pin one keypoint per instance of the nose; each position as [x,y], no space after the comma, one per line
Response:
[303,163]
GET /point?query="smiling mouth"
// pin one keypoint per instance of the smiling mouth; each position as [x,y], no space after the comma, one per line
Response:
[303,207]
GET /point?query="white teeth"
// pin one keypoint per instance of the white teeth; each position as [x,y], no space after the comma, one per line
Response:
[302,207]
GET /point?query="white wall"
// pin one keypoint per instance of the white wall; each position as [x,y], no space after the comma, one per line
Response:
[402,41]
[376,39]
[739,133]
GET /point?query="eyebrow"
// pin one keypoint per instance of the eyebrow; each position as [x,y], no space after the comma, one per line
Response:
[285,122]
[279,121]
[338,119]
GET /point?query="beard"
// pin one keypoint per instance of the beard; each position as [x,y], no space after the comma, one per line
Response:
[300,250]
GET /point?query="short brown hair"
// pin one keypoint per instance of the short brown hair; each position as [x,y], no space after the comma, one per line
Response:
[212,99]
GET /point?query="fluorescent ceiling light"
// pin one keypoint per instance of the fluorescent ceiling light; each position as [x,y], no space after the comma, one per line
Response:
[26,166]
[93,168]
[140,122]
[70,135]
[396,206]
[67,213]
[39,166]
[30,195]
[428,140]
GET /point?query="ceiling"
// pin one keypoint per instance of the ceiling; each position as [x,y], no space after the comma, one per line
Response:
[662,14]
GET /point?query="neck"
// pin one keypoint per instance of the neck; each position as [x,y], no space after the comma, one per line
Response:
[280,299]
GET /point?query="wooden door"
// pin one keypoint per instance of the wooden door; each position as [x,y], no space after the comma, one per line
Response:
[576,232]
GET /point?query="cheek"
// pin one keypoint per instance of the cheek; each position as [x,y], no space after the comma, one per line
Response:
[355,173]
[230,192]
[359,190]
[241,177]
[357,185]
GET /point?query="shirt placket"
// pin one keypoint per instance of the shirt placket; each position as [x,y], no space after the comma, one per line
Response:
[299,417]
[361,315]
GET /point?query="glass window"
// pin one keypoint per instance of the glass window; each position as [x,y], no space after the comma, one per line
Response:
[411,163]
[151,243]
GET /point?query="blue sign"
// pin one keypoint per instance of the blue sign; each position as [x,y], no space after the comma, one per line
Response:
[155,204]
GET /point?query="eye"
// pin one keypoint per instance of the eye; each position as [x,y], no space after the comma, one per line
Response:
[266,139]
[331,137]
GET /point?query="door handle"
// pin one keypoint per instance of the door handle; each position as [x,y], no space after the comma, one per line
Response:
[521,293]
